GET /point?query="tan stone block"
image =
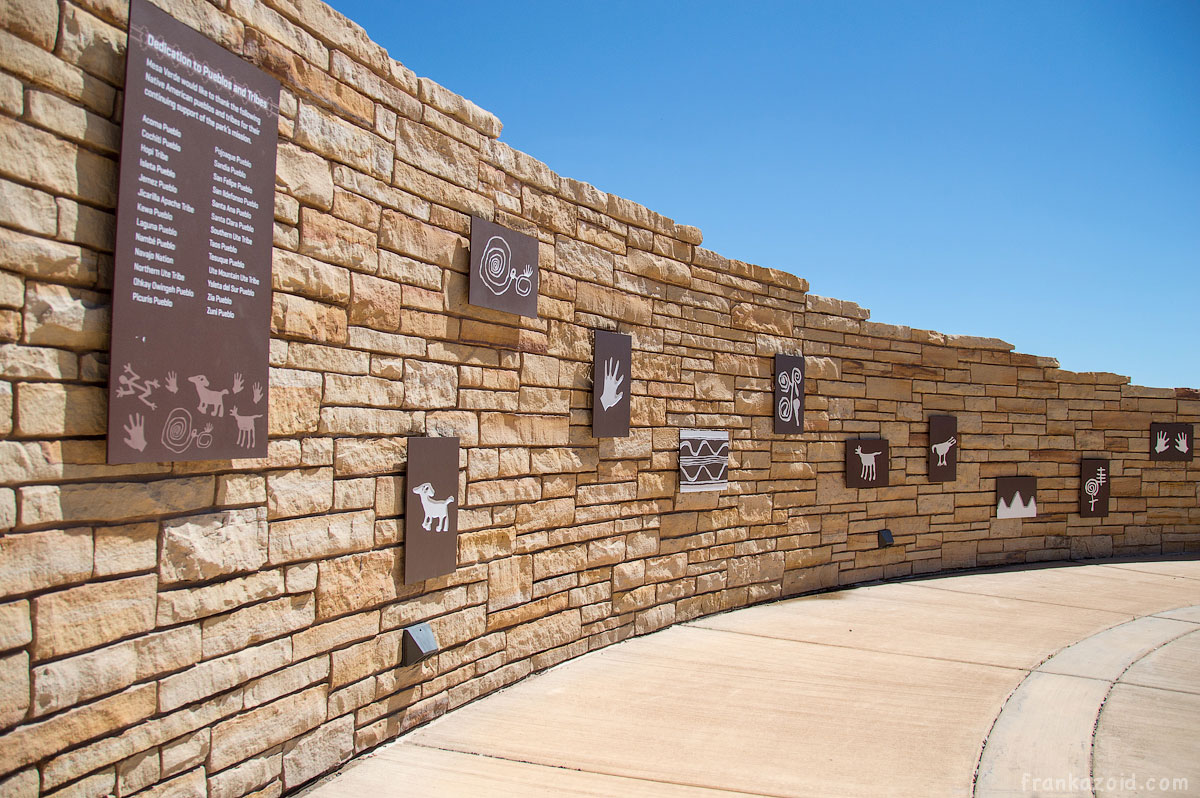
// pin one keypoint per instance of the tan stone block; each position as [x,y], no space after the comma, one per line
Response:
[234,489]
[56,315]
[506,429]
[376,303]
[424,242]
[613,304]
[629,575]
[257,623]
[357,582]
[239,781]
[288,680]
[126,549]
[583,261]
[23,785]
[510,582]
[304,175]
[39,560]
[548,211]
[93,45]
[321,536]
[430,385]
[8,505]
[368,456]
[54,410]
[200,547]
[184,605]
[460,108]
[335,634]
[343,142]
[746,316]
[14,688]
[267,726]
[363,391]
[318,752]
[53,164]
[28,209]
[86,616]
[543,634]
[296,317]
[16,628]
[438,154]
[186,752]
[659,268]
[301,491]
[223,673]
[300,274]
[33,20]
[330,239]
[341,421]
[295,401]
[36,66]
[72,122]
[189,785]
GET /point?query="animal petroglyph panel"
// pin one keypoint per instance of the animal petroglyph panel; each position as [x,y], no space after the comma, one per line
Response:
[1094,486]
[703,460]
[943,448]
[192,257]
[1171,442]
[867,463]
[431,509]
[789,394]
[1016,497]
[611,384]
[504,269]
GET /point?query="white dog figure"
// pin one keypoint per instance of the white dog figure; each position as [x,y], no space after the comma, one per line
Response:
[868,463]
[435,509]
[211,402]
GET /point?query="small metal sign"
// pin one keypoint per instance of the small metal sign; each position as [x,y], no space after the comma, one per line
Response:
[943,448]
[1094,484]
[1016,497]
[1171,442]
[504,269]
[192,274]
[611,382]
[867,463]
[789,394]
[431,509]
[703,460]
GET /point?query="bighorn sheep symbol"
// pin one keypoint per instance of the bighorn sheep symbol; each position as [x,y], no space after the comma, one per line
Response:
[868,463]
[942,449]
[211,402]
[435,509]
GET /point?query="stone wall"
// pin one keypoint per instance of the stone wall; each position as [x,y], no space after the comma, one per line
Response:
[232,628]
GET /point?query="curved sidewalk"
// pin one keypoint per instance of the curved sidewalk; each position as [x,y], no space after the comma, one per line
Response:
[1037,681]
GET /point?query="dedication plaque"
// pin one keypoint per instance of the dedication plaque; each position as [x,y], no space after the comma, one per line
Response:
[192,282]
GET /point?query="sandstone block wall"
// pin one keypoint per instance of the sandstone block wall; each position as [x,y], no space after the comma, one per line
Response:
[233,628]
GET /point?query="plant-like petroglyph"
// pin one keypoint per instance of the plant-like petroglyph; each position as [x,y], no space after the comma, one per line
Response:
[942,449]
[436,510]
[498,272]
[612,381]
[211,402]
[791,386]
[135,432]
[868,463]
[1092,487]
[179,436]
[129,384]
[245,425]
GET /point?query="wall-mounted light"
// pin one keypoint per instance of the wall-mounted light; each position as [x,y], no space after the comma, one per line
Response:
[418,645]
[885,538]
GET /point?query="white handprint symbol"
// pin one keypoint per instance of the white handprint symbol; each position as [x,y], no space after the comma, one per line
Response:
[1161,445]
[612,381]
[135,432]
[1181,442]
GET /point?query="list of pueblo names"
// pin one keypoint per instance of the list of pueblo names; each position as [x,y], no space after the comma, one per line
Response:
[192,283]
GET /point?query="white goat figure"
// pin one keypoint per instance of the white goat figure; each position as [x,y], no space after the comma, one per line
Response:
[868,463]
[435,509]
[942,449]
[245,426]
[211,402]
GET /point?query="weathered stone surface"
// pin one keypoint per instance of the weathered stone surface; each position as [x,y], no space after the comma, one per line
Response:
[201,547]
[318,752]
[436,153]
[55,409]
[189,785]
[543,634]
[309,277]
[215,675]
[343,142]
[506,429]
[304,175]
[295,401]
[510,582]
[256,623]
[52,164]
[188,604]
[356,582]
[89,615]
[267,726]
[125,549]
[27,209]
[16,627]
[301,491]
[297,317]
[39,560]
[116,501]
[429,386]
[335,634]
[321,536]
[377,303]
[238,781]
[418,240]
[14,688]
[330,239]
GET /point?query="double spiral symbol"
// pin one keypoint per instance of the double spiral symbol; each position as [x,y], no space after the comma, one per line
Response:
[497,271]
[791,383]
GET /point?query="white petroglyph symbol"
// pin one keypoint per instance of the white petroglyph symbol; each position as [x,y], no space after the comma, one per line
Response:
[435,509]
[135,432]
[211,402]
[172,382]
[942,449]
[1181,443]
[1093,485]
[868,463]
[178,435]
[791,385]
[498,274]
[1019,508]
[245,426]
[1162,444]
[612,381]
[129,383]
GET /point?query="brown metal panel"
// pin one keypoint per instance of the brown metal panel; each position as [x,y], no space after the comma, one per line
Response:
[943,448]
[789,394]
[867,463]
[504,269]
[431,509]
[192,281]
[1016,497]
[1094,487]
[1172,442]
[611,381]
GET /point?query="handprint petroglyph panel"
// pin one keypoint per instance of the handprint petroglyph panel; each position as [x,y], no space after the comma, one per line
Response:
[1171,441]
[612,381]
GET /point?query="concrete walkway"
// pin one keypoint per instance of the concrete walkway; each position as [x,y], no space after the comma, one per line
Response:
[1000,683]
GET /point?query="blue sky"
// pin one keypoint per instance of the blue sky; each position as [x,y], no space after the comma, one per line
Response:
[1022,170]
